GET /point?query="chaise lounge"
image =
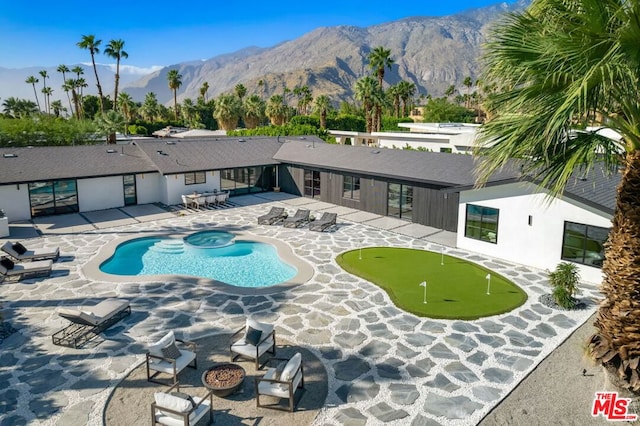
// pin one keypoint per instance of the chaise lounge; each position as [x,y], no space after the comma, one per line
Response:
[300,218]
[325,222]
[19,271]
[21,253]
[275,215]
[89,321]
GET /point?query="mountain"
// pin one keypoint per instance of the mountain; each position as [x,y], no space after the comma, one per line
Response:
[431,52]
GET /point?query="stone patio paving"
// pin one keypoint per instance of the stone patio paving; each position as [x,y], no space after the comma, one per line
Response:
[385,366]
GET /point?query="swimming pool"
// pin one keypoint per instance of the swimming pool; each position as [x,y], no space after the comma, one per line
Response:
[208,254]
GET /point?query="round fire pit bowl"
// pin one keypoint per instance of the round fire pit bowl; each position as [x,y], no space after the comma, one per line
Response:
[224,379]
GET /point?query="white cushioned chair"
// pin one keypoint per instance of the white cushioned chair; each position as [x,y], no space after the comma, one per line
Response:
[291,378]
[173,410]
[242,345]
[159,362]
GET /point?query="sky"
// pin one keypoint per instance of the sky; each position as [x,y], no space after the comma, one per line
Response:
[160,33]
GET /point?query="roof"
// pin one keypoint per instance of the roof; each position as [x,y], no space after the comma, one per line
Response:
[69,162]
[435,168]
[597,188]
[179,156]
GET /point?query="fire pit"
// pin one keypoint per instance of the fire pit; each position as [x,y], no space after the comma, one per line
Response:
[223,379]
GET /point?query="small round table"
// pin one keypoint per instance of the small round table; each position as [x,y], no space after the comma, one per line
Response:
[224,378]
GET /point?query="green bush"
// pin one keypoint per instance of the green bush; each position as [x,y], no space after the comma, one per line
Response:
[565,280]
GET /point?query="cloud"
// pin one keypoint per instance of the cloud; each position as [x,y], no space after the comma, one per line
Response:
[131,69]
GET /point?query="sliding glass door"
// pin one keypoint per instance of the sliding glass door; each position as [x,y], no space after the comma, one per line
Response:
[311,183]
[53,197]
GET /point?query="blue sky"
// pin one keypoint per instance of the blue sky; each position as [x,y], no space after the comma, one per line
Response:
[45,32]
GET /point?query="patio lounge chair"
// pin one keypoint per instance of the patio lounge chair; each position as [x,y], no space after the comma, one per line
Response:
[252,341]
[19,271]
[165,356]
[325,222]
[21,253]
[300,218]
[174,408]
[89,321]
[275,215]
[281,381]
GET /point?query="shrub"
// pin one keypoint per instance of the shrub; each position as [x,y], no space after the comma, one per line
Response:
[564,281]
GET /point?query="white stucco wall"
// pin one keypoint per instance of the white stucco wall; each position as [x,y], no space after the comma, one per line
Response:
[174,186]
[100,193]
[14,200]
[149,188]
[538,245]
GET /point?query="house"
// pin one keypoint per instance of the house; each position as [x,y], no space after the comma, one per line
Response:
[511,218]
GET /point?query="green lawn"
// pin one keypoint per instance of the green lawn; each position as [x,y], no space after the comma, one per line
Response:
[455,290]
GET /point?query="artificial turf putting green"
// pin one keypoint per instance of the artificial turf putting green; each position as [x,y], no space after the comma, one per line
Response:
[456,289]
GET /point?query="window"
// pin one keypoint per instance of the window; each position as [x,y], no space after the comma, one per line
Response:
[247,179]
[53,197]
[400,201]
[195,177]
[351,188]
[584,244]
[129,185]
[482,223]
[311,183]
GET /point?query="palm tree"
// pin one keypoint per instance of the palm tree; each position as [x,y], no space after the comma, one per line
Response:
[188,110]
[394,94]
[254,111]
[47,91]
[240,90]
[321,107]
[149,108]
[364,92]
[406,91]
[126,106]
[44,75]
[57,107]
[63,69]
[89,42]
[109,123]
[115,50]
[563,63]
[468,83]
[203,91]
[32,81]
[175,81]
[10,107]
[379,58]
[228,111]
[276,110]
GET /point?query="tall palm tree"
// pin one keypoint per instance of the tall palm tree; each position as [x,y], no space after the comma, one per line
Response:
[203,91]
[47,91]
[89,42]
[254,111]
[228,111]
[63,69]
[32,81]
[126,106]
[379,59]
[568,62]
[321,107]
[115,51]
[175,81]
[45,75]
[406,90]
[394,93]
[276,110]
[468,83]
[364,91]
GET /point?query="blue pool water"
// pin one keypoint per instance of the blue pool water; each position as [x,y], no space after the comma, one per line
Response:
[209,254]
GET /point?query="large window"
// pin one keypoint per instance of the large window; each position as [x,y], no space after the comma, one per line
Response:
[400,201]
[195,177]
[584,244]
[53,197]
[247,179]
[311,183]
[129,185]
[482,223]
[351,188]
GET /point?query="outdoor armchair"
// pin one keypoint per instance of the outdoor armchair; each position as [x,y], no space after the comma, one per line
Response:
[165,356]
[281,381]
[252,341]
[174,408]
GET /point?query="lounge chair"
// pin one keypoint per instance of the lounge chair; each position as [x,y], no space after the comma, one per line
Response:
[300,218]
[281,381]
[89,321]
[21,253]
[174,408]
[275,215]
[19,271]
[252,341]
[165,356]
[325,222]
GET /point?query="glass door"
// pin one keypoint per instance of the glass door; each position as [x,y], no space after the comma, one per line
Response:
[311,183]
[129,184]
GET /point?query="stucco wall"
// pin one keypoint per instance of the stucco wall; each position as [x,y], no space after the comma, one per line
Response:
[175,187]
[149,188]
[538,244]
[14,200]
[100,193]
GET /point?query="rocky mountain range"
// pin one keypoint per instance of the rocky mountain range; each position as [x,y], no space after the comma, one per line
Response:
[431,52]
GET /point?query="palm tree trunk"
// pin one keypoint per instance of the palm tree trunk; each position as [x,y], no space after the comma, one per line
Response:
[175,103]
[35,92]
[616,344]
[95,71]
[115,92]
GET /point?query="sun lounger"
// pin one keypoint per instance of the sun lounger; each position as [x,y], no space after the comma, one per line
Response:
[275,215]
[300,218]
[89,321]
[19,271]
[21,253]
[325,222]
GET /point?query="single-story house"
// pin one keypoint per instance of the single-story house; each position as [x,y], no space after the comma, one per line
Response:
[511,218]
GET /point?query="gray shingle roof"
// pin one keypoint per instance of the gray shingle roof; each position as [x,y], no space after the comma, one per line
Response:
[434,168]
[60,162]
[598,188]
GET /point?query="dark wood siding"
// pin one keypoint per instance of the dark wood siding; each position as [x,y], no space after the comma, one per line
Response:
[435,208]
[291,179]
[373,196]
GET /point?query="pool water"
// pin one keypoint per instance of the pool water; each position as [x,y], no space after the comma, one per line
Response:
[214,256]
